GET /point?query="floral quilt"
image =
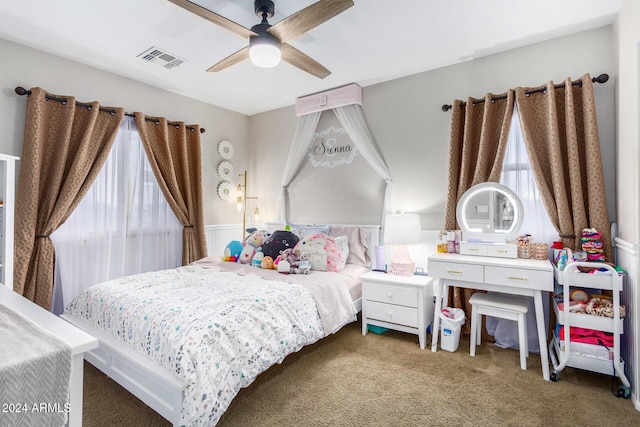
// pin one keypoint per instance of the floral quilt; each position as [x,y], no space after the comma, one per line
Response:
[216,330]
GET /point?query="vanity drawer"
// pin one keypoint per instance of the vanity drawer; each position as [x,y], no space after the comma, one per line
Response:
[457,271]
[392,313]
[467,248]
[519,277]
[391,294]
[502,250]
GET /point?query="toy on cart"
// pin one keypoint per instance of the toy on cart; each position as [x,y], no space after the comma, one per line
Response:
[579,311]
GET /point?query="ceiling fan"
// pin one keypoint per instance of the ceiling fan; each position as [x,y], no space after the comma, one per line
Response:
[268,43]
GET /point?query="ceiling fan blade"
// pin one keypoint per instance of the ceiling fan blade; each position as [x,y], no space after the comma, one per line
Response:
[230,60]
[215,18]
[308,18]
[301,60]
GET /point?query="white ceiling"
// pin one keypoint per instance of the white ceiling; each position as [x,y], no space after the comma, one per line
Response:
[372,42]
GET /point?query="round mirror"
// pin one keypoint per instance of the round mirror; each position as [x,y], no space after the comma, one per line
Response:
[489,212]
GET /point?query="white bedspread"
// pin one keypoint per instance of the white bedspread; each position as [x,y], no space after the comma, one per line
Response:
[216,330]
[329,289]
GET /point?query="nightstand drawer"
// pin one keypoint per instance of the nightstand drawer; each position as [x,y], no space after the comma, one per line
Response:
[391,294]
[457,271]
[518,277]
[392,313]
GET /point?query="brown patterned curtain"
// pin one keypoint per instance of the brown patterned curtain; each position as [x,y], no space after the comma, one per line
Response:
[65,146]
[173,150]
[560,131]
[479,134]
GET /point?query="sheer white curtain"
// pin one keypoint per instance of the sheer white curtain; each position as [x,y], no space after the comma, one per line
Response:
[354,122]
[302,139]
[518,175]
[123,225]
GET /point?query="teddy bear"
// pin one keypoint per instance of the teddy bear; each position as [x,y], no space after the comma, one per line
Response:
[251,244]
[311,249]
[317,259]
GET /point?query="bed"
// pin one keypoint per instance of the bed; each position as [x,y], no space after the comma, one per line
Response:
[186,340]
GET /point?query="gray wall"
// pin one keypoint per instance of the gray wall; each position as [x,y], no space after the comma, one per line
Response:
[23,66]
[412,132]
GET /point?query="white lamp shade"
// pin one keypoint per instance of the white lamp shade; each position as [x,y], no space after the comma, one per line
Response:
[265,55]
[402,229]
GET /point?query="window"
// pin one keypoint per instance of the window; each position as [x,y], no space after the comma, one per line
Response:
[518,175]
[122,226]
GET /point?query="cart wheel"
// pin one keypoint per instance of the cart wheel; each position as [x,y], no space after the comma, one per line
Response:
[555,376]
[623,392]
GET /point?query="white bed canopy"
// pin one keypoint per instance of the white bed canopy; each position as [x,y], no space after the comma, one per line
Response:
[349,112]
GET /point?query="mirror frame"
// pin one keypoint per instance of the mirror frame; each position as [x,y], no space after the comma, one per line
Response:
[469,233]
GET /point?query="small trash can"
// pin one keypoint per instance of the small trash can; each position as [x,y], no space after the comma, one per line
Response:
[451,321]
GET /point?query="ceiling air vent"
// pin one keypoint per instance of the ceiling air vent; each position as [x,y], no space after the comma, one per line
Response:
[161,57]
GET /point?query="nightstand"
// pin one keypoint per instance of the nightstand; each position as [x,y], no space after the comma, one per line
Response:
[402,303]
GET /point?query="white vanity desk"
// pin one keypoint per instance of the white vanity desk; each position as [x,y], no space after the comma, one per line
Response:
[528,277]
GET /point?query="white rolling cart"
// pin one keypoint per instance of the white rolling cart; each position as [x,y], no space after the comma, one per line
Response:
[561,352]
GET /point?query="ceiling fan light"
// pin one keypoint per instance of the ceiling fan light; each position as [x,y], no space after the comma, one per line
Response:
[264,52]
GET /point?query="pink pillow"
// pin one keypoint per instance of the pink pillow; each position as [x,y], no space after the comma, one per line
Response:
[321,250]
[358,248]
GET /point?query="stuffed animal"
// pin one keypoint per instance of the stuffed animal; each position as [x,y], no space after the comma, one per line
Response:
[284,267]
[289,257]
[278,241]
[256,261]
[232,251]
[256,238]
[321,251]
[251,244]
[304,267]
[247,254]
[267,263]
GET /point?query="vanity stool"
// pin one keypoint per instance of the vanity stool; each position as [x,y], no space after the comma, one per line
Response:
[504,306]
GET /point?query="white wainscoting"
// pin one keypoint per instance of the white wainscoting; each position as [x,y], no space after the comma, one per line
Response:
[219,236]
[627,258]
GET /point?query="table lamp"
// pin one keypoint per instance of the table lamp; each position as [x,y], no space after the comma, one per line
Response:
[402,230]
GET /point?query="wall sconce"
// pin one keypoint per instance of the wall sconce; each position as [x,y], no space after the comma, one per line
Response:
[242,203]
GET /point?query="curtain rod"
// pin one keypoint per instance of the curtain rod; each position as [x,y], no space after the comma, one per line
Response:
[22,91]
[602,78]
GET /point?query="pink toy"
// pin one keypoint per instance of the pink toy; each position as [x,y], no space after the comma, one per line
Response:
[321,251]
[251,244]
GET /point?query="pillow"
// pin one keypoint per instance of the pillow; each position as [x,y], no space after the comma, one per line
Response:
[302,230]
[343,247]
[321,250]
[358,247]
[278,241]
